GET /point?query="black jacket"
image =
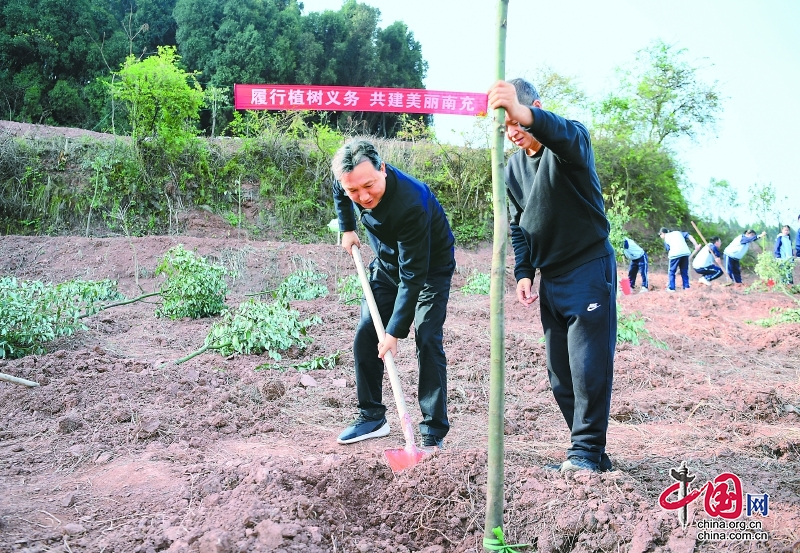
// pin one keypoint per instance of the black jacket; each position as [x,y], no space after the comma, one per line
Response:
[408,232]
[556,207]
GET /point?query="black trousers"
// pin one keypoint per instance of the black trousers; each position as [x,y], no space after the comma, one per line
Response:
[429,318]
[579,317]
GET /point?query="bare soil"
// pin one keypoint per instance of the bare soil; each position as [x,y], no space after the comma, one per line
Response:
[116,453]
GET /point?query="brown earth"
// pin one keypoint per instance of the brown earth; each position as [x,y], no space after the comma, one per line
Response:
[117,453]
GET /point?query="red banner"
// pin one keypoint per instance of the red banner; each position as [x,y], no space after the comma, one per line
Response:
[357,98]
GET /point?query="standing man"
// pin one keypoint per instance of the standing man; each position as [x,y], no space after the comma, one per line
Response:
[784,252]
[558,226]
[708,262]
[638,263]
[678,253]
[736,250]
[410,279]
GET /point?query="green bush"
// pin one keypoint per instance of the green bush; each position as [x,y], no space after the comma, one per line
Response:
[770,267]
[630,327]
[477,284]
[302,285]
[349,289]
[194,288]
[34,312]
[257,327]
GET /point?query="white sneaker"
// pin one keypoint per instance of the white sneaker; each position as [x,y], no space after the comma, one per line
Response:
[643,290]
[704,280]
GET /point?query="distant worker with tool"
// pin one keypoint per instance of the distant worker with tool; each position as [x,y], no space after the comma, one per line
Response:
[736,250]
[559,226]
[678,254]
[638,263]
[410,280]
[708,261]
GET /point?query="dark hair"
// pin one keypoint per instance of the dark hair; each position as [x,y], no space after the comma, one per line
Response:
[526,92]
[664,230]
[714,239]
[750,231]
[352,154]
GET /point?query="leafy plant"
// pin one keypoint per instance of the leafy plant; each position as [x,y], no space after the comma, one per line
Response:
[35,312]
[304,284]
[769,267]
[477,284]
[322,362]
[630,327]
[163,101]
[194,288]
[781,316]
[349,289]
[257,327]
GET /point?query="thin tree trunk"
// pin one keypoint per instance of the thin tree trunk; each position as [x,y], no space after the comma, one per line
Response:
[496,466]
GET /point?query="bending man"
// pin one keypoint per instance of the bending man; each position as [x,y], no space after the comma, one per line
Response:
[410,279]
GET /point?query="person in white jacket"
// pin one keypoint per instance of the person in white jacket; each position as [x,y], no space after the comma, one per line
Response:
[708,262]
[736,250]
[678,253]
[638,263]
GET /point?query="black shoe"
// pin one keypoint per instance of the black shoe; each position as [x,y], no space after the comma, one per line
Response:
[429,440]
[363,429]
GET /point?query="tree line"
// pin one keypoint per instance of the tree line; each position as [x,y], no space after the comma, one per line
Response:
[162,70]
[58,59]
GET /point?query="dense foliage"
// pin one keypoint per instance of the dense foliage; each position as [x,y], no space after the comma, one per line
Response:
[58,59]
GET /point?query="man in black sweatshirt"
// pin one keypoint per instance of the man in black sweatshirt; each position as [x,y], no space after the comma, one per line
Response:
[409,277]
[558,226]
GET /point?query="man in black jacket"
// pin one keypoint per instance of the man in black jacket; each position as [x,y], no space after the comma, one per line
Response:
[558,226]
[410,279]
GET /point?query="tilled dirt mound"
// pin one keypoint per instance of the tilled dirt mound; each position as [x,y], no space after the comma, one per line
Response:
[119,451]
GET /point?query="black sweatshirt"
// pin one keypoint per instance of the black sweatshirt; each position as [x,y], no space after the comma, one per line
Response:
[408,232]
[556,207]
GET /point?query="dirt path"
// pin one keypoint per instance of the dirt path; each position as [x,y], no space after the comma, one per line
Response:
[115,454]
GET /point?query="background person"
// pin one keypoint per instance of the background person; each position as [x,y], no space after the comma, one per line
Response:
[736,250]
[784,252]
[708,262]
[638,263]
[678,253]
[410,278]
[559,226]
[797,240]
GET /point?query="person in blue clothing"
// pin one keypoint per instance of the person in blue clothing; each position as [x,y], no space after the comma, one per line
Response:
[735,251]
[784,252]
[708,262]
[797,240]
[410,279]
[678,253]
[638,263]
[559,227]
